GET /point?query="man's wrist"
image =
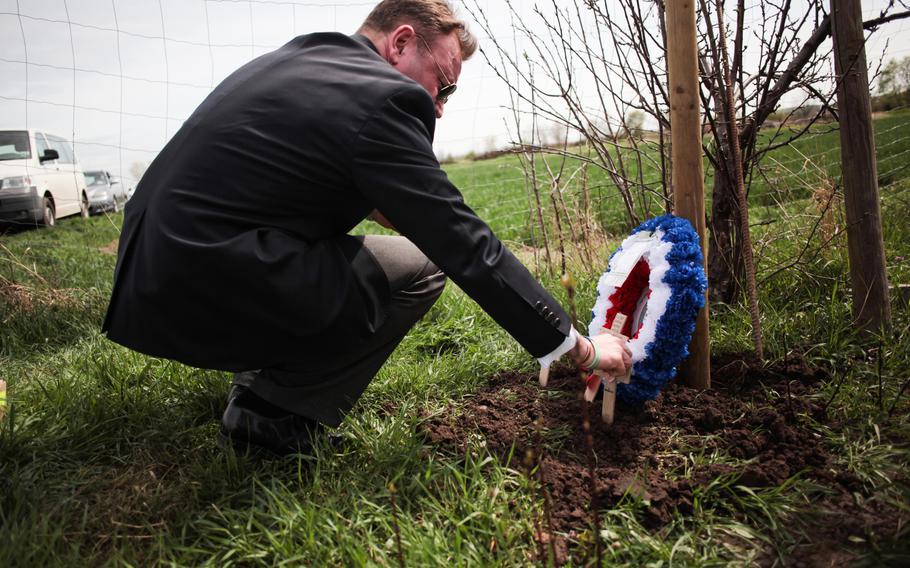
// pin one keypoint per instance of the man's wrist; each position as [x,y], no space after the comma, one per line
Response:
[592,361]
[582,351]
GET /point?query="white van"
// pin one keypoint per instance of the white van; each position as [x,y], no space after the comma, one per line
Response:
[40,178]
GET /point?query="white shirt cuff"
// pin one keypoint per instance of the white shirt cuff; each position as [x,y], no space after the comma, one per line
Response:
[563,348]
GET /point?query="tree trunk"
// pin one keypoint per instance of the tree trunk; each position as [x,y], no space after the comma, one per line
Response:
[725,257]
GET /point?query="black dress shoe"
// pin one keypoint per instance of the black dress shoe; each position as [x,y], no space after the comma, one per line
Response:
[241,382]
[253,426]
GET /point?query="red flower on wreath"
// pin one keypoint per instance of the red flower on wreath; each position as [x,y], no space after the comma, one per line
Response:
[627,298]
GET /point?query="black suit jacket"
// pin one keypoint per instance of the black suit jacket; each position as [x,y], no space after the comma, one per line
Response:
[234,252]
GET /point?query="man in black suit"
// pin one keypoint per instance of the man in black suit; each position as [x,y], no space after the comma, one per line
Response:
[235,253]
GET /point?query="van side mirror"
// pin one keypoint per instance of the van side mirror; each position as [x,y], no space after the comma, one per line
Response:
[49,154]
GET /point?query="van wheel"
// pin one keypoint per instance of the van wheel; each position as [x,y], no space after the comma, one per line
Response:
[49,218]
[83,207]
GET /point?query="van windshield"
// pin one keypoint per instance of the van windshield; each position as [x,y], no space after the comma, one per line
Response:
[14,145]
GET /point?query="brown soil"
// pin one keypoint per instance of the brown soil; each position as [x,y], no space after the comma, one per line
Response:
[757,418]
[110,248]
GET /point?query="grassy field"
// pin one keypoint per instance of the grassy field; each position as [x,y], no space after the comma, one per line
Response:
[108,456]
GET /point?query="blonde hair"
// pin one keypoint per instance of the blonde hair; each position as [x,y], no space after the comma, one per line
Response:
[430,19]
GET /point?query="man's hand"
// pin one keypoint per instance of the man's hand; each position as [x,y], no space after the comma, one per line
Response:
[380,218]
[615,357]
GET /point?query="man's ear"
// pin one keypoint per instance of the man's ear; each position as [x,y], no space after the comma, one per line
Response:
[398,39]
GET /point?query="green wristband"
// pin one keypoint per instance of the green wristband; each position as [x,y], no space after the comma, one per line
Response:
[595,360]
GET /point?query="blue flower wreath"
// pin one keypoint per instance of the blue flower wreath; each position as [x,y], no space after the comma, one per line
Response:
[665,252]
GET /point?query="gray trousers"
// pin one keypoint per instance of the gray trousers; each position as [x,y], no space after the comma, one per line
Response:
[327,390]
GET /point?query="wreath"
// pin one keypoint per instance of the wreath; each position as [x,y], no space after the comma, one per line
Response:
[651,293]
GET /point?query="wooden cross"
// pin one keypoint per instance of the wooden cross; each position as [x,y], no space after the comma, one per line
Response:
[609,401]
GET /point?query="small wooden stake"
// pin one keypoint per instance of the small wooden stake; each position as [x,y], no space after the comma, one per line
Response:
[607,410]
[609,402]
[544,376]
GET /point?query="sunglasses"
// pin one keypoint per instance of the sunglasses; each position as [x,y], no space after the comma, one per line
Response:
[445,90]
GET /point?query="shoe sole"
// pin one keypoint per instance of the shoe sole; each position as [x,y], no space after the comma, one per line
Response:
[253,451]
[244,448]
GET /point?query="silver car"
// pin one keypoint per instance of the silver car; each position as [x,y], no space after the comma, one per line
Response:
[105,192]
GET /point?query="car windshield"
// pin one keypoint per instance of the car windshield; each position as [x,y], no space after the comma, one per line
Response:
[95,178]
[14,145]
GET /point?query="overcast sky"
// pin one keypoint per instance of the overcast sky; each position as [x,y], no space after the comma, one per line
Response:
[120,76]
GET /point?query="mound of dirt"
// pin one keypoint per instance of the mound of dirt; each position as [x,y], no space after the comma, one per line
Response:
[757,418]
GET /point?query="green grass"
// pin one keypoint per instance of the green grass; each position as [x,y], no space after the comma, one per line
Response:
[108,456]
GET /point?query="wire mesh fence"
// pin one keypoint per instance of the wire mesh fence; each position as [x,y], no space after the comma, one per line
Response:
[116,79]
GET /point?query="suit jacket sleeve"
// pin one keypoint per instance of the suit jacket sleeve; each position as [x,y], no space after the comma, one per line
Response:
[394,167]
